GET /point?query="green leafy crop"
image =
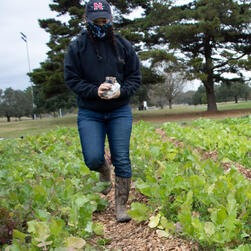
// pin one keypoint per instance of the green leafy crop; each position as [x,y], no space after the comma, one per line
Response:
[190,196]
[49,192]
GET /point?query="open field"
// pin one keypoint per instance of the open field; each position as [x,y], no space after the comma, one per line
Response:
[178,113]
[22,128]
[231,105]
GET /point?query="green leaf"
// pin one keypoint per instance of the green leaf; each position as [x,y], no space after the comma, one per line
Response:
[246,247]
[40,230]
[144,188]
[154,221]
[84,170]
[209,229]
[171,156]
[155,150]
[97,228]
[42,215]
[13,247]
[18,235]
[73,217]
[75,243]
[103,242]
[56,226]
[139,211]
[218,216]
[61,249]
[231,206]
[88,227]
[168,226]
[81,200]
[162,233]
[198,227]
[39,193]
[226,160]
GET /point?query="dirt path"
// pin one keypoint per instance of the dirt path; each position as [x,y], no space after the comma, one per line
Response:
[194,115]
[134,236]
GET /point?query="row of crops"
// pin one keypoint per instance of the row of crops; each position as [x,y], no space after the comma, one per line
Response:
[212,206]
[48,195]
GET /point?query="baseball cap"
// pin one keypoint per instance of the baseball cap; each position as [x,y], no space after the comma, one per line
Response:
[98,9]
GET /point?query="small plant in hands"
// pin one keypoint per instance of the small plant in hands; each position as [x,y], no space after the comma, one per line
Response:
[114,87]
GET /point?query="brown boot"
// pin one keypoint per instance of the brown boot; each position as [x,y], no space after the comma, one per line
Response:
[122,187]
[105,176]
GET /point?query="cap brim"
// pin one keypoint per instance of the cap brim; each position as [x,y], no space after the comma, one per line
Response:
[95,15]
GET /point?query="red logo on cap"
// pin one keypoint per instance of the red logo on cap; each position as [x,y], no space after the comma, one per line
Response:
[98,6]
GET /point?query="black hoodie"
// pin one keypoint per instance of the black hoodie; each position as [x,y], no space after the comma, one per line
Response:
[84,73]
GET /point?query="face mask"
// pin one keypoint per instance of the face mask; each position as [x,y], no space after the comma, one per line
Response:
[99,31]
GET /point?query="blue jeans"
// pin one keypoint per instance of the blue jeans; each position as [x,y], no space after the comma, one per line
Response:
[117,125]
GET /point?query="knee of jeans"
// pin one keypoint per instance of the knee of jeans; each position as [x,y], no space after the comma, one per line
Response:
[94,163]
[123,171]
[122,168]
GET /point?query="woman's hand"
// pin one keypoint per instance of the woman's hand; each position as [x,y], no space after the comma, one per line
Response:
[103,88]
[115,95]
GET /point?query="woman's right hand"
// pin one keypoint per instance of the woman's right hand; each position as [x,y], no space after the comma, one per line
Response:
[103,88]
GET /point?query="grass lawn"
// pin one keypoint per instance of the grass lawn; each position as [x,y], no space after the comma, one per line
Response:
[22,128]
[191,109]
[232,105]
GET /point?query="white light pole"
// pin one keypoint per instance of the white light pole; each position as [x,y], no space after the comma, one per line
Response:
[24,37]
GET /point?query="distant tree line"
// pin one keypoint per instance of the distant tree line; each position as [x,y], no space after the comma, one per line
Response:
[224,92]
[16,103]
[157,95]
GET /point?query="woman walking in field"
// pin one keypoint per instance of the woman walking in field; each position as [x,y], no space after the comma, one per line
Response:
[102,68]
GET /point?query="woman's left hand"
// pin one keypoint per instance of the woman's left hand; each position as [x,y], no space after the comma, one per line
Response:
[115,95]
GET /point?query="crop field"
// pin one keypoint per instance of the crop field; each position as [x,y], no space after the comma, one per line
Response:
[189,174]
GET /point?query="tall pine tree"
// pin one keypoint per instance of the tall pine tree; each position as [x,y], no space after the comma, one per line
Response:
[210,38]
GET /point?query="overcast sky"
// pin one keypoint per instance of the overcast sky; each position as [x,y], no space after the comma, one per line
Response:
[22,16]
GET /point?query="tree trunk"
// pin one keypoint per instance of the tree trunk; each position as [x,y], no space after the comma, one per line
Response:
[209,83]
[170,103]
[236,99]
[211,100]
[8,118]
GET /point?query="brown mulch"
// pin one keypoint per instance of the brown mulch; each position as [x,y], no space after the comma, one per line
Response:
[133,236]
[209,155]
